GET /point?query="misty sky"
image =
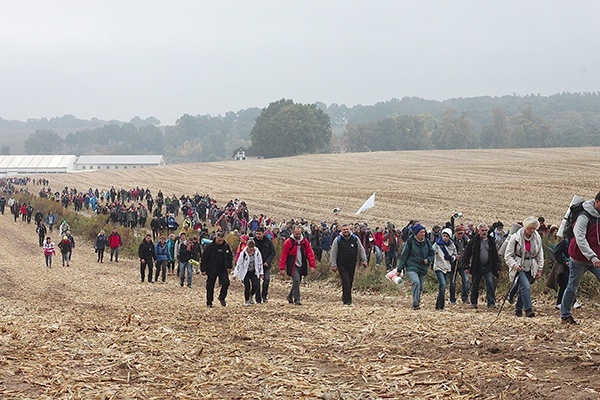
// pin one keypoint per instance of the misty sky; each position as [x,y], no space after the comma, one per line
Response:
[118,59]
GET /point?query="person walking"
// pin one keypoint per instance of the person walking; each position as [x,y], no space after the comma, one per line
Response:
[216,262]
[296,257]
[445,255]
[184,255]
[482,260]
[50,220]
[161,250]
[417,256]
[267,252]
[525,258]
[65,249]
[41,231]
[584,250]
[345,251]
[49,251]
[249,269]
[100,245]
[460,242]
[114,242]
[147,256]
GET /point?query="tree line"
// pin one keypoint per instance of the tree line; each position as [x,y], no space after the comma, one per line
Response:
[285,128]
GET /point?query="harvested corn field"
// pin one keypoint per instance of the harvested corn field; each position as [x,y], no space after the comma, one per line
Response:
[94,331]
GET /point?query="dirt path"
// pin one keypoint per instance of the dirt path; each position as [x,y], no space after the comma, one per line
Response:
[94,331]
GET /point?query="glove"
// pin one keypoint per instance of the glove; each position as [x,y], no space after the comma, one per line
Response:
[448,258]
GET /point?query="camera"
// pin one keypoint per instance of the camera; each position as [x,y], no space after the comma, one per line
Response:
[458,215]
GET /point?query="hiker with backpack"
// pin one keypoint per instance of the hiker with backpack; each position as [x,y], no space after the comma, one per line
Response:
[345,251]
[417,257]
[584,250]
[525,258]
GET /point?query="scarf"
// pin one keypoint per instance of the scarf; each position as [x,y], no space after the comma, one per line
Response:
[440,242]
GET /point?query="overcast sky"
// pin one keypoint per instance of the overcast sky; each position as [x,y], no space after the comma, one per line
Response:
[118,59]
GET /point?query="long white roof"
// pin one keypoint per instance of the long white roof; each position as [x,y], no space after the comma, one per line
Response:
[36,163]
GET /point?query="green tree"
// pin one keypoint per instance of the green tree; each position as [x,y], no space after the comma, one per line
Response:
[455,131]
[5,150]
[531,130]
[44,141]
[285,128]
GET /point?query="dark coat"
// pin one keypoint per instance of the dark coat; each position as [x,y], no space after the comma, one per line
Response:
[216,258]
[471,259]
[146,251]
[267,250]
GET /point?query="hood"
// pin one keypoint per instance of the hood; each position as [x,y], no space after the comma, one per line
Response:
[589,207]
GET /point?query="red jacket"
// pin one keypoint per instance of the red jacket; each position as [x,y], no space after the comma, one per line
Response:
[378,238]
[287,261]
[114,240]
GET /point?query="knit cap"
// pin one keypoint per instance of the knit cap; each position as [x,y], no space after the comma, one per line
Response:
[417,228]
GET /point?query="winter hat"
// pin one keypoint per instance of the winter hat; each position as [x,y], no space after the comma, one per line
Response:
[417,228]
[447,231]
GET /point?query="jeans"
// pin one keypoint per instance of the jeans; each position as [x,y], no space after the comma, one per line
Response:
[485,273]
[377,255]
[576,272]
[251,282]
[210,285]
[185,267]
[66,257]
[416,287]
[143,264]
[262,296]
[347,277]
[48,260]
[161,269]
[391,258]
[443,278]
[524,290]
[465,286]
[114,251]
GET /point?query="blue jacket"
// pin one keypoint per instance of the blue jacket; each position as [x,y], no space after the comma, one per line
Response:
[162,252]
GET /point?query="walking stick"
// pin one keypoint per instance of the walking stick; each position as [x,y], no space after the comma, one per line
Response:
[513,283]
[507,293]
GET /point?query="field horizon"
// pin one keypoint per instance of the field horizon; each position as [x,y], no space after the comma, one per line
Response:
[485,185]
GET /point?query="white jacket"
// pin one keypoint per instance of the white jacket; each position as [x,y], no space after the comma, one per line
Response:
[241,267]
[441,264]
[515,250]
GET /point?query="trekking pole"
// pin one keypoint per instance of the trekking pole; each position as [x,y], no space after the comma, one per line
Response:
[513,283]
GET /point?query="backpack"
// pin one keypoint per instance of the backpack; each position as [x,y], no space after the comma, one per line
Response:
[574,211]
[405,233]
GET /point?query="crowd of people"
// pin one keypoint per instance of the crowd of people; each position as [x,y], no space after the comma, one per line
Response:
[244,243]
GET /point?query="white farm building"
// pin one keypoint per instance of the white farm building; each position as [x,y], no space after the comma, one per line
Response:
[52,164]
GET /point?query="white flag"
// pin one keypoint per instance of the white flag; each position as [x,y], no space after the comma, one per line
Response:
[370,203]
